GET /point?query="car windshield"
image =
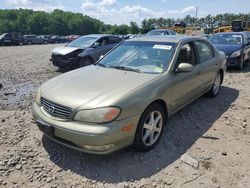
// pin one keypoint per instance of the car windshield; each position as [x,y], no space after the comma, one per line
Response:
[82,42]
[226,39]
[140,56]
[155,33]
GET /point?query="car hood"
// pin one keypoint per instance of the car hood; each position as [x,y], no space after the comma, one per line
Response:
[92,86]
[227,49]
[64,50]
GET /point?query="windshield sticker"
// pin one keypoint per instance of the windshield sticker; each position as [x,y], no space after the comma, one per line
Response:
[162,47]
[236,36]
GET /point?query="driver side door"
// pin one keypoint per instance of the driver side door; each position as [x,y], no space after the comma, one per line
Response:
[102,49]
[185,86]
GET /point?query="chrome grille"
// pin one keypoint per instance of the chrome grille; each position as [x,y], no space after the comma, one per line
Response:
[55,110]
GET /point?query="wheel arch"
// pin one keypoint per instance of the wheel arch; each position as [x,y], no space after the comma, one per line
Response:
[162,103]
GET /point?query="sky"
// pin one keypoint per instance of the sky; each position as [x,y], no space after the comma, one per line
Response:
[124,11]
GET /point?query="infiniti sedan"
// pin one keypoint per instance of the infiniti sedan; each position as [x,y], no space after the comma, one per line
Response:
[235,45]
[128,95]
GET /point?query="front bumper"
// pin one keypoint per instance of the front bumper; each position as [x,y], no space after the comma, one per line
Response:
[90,138]
[62,62]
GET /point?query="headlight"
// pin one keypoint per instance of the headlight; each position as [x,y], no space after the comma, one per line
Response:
[236,54]
[98,115]
[38,97]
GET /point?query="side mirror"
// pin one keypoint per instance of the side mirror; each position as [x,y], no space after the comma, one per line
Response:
[96,44]
[184,67]
[101,56]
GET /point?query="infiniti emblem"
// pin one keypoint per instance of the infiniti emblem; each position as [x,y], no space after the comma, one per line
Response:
[52,109]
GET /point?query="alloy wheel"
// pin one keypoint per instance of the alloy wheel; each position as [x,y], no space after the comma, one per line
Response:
[217,83]
[152,128]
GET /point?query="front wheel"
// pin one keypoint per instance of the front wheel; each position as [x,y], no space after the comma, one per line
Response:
[150,128]
[241,65]
[213,92]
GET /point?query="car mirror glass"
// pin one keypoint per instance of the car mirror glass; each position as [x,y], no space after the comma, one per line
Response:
[96,44]
[184,67]
[101,56]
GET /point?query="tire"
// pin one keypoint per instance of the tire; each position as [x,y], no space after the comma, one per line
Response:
[148,134]
[29,42]
[85,62]
[241,65]
[214,91]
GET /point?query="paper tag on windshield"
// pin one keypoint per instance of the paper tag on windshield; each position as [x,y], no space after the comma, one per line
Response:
[162,47]
[236,36]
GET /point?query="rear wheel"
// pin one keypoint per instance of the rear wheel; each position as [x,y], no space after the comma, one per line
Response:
[150,128]
[213,92]
[85,62]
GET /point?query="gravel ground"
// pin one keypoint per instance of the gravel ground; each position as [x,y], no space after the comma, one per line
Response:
[213,134]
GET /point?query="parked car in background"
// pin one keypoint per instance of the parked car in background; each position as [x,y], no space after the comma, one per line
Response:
[126,98]
[58,39]
[235,45]
[83,51]
[72,37]
[160,32]
[34,39]
[180,24]
[12,38]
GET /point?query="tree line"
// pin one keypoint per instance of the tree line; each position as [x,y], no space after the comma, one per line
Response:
[60,22]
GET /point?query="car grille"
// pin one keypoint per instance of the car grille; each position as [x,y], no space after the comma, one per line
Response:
[55,109]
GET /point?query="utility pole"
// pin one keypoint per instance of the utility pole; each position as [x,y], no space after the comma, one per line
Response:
[196,15]
[196,12]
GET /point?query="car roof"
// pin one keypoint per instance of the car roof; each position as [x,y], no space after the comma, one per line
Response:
[168,38]
[97,35]
[231,33]
[161,30]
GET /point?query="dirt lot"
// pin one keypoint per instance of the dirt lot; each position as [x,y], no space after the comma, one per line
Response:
[214,132]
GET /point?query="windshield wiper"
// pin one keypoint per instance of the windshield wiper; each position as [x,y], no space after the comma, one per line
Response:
[100,64]
[126,68]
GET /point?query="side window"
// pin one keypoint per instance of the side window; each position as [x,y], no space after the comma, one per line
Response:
[103,41]
[113,40]
[7,37]
[166,33]
[186,54]
[205,51]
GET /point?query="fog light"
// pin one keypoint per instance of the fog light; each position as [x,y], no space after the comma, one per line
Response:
[98,148]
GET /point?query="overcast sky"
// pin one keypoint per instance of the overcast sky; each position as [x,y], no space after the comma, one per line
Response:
[124,11]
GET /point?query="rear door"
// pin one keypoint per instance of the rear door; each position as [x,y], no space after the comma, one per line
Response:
[207,62]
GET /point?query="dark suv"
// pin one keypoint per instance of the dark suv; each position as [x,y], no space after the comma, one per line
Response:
[12,38]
